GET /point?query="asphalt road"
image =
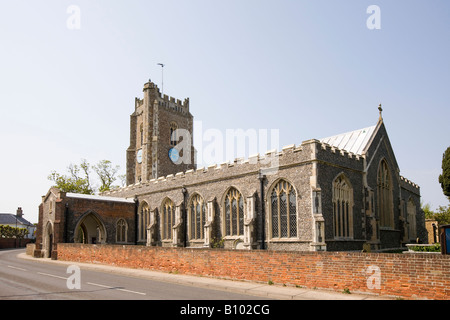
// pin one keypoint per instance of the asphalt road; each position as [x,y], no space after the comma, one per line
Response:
[22,279]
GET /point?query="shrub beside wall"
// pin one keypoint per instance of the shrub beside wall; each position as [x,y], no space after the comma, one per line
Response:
[412,276]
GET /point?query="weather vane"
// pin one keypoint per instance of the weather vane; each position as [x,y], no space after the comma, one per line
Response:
[162,77]
[381,110]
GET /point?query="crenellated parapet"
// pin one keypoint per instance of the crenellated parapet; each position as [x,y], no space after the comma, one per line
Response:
[409,185]
[269,163]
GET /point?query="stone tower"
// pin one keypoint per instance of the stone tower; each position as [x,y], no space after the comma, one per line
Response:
[161,137]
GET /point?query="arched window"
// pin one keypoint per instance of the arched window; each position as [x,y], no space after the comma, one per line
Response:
[143,221]
[168,219]
[197,217]
[283,210]
[384,196]
[121,231]
[234,213]
[173,134]
[342,208]
[141,133]
[411,210]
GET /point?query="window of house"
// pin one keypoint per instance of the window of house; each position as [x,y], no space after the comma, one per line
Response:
[234,213]
[197,217]
[342,208]
[283,210]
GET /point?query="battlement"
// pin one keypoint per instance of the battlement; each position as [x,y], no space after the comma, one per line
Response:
[164,100]
[337,151]
[409,182]
[271,160]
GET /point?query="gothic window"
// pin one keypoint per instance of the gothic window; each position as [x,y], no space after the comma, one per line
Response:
[197,217]
[141,133]
[143,221]
[411,210]
[234,213]
[384,196]
[121,231]
[283,208]
[168,219]
[342,208]
[173,134]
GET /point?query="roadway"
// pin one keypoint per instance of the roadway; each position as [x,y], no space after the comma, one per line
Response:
[25,279]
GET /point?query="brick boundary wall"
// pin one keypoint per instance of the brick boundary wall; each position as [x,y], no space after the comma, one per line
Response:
[9,243]
[409,276]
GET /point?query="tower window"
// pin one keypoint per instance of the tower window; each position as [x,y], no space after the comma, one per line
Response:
[173,134]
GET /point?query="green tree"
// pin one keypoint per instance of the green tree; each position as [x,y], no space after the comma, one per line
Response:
[79,178]
[444,178]
[441,215]
[107,174]
[77,182]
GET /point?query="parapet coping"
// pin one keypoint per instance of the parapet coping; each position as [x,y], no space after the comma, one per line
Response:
[252,159]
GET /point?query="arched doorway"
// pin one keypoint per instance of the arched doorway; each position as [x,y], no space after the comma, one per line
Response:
[90,229]
[48,240]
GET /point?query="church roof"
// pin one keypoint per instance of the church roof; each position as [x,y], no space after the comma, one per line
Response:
[98,197]
[354,141]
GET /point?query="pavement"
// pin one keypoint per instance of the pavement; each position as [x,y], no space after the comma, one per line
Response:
[244,287]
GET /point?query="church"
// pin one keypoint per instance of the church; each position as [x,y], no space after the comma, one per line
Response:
[339,193]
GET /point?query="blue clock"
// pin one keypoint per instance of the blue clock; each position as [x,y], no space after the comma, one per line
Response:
[174,155]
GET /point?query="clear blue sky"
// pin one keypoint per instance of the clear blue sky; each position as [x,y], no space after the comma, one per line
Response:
[308,68]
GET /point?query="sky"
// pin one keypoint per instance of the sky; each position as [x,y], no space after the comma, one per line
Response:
[308,69]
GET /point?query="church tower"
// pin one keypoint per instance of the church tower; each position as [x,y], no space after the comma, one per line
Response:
[161,137]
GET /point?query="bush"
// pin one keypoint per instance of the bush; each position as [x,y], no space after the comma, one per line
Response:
[434,248]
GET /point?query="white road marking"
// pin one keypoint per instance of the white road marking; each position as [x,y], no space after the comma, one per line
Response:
[52,275]
[17,268]
[109,287]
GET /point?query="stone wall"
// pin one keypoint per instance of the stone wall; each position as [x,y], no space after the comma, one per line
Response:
[410,276]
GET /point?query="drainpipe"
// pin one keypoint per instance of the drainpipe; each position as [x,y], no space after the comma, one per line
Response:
[184,217]
[136,226]
[66,223]
[261,178]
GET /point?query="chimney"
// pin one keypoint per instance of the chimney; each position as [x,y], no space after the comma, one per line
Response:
[19,213]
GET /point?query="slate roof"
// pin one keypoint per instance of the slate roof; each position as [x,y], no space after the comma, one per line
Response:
[354,141]
[8,218]
[100,198]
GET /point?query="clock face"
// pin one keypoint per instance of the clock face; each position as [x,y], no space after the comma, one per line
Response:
[174,155]
[139,156]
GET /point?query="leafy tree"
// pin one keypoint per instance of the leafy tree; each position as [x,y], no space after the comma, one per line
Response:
[107,174]
[12,232]
[79,178]
[441,215]
[444,178]
[77,182]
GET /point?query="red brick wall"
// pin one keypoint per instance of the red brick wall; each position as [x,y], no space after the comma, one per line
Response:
[6,243]
[411,276]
